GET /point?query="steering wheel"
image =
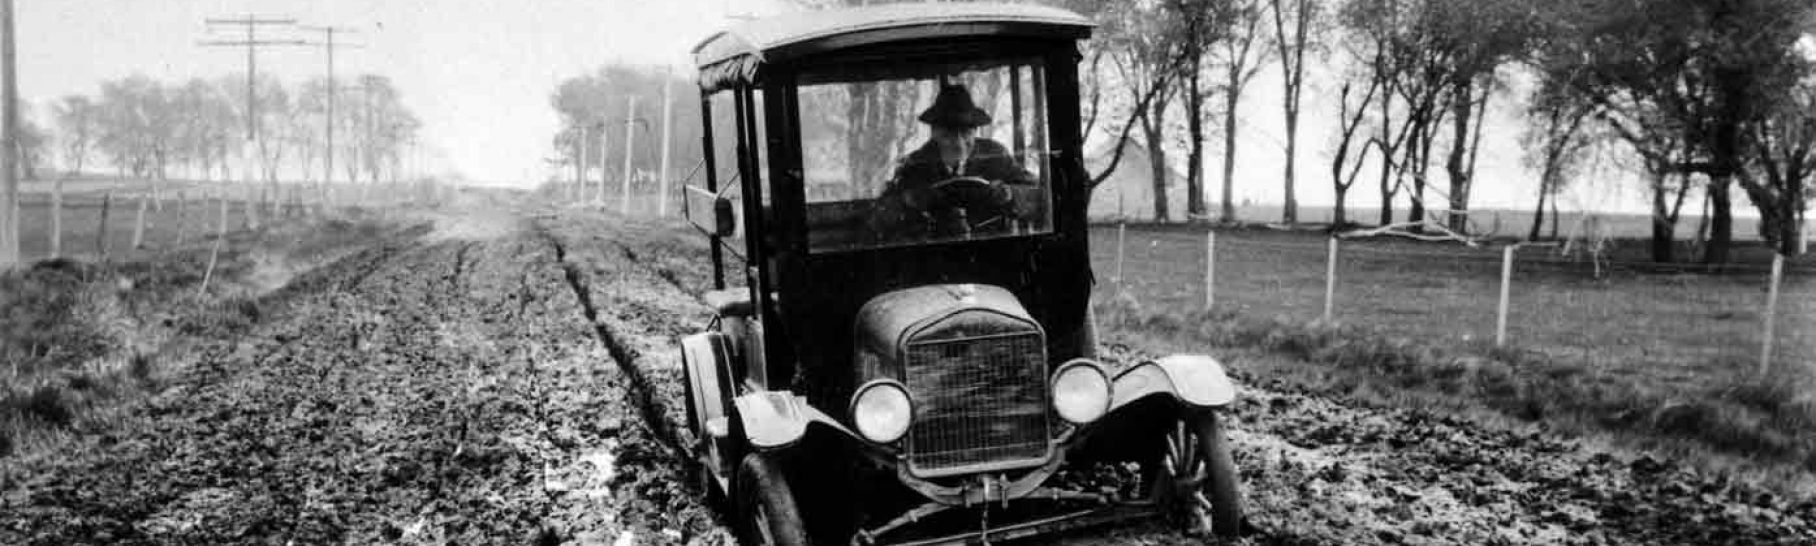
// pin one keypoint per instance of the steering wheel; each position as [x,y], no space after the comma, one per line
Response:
[985,202]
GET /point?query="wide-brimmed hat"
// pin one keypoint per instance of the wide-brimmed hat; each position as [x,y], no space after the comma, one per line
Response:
[953,108]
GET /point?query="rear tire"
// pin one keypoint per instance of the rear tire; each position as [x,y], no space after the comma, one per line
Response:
[766,513]
[1198,482]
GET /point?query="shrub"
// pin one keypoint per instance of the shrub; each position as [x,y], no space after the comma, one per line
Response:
[46,403]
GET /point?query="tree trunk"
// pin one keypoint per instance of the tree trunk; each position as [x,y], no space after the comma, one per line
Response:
[1389,186]
[1151,125]
[1421,166]
[1721,226]
[1339,213]
[1538,214]
[1229,157]
[1661,222]
[1290,211]
[1194,176]
[1461,112]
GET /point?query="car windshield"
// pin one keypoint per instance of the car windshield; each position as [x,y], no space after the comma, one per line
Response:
[914,153]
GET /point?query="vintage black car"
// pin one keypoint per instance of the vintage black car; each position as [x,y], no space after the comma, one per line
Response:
[903,351]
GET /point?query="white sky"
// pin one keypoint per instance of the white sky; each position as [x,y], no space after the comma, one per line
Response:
[479,72]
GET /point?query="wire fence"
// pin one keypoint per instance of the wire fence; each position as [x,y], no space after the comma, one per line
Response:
[1673,322]
[124,220]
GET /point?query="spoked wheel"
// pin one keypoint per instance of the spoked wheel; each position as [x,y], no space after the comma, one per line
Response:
[1197,481]
[766,506]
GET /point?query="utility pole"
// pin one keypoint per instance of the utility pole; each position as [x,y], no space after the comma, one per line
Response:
[580,159]
[630,123]
[328,44]
[605,131]
[9,158]
[251,43]
[662,191]
[605,134]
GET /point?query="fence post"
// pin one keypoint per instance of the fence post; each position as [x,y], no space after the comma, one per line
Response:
[248,206]
[182,216]
[1122,237]
[56,218]
[1765,349]
[138,224]
[101,234]
[1500,323]
[1210,267]
[1330,280]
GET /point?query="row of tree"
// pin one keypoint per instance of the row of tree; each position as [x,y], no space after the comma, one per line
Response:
[1694,94]
[597,109]
[144,128]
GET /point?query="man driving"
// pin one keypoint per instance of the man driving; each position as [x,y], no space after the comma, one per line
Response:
[956,179]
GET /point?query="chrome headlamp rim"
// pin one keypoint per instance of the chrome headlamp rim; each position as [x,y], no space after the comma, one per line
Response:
[858,396]
[1068,367]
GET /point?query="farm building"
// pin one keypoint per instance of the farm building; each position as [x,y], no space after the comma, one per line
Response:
[1128,194]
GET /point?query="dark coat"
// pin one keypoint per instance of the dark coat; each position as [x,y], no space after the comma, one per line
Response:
[990,160]
[922,168]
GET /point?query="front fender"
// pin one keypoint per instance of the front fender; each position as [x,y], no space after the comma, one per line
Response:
[1194,380]
[778,419]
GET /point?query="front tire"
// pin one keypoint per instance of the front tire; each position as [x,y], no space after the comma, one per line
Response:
[1198,481]
[766,505]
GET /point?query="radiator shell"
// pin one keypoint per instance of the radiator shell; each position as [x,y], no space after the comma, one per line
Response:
[975,364]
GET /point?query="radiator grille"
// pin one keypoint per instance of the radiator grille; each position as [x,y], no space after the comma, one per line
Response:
[978,401]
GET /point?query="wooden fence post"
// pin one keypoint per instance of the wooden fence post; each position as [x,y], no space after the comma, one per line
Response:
[101,234]
[221,226]
[1500,324]
[1210,268]
[214,255]
[56,218]
[182,216]
[138,224]
[250,207]
[1765,349]
[1122,237]
[1330,280]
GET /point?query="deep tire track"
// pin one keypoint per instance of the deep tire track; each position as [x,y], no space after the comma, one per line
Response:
[651,409]
[412,393]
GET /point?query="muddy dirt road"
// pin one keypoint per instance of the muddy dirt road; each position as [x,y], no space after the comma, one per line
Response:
[505,376]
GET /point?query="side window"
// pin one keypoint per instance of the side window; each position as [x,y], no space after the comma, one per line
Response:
[725,154]
[724,114]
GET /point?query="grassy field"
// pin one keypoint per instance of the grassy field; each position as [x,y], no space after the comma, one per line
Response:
[79,333]
[1648,350]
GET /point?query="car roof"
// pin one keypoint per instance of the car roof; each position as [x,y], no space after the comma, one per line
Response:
[732,55]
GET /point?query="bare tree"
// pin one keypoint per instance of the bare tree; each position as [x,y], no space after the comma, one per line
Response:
[1148,57]
[1683,82]
[75,121]
[1555,140]
[1240,61]
[1295,23]
[1784,149]
[1349,123]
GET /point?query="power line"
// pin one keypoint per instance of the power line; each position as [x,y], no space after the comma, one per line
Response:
[328,44]
[251,23]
